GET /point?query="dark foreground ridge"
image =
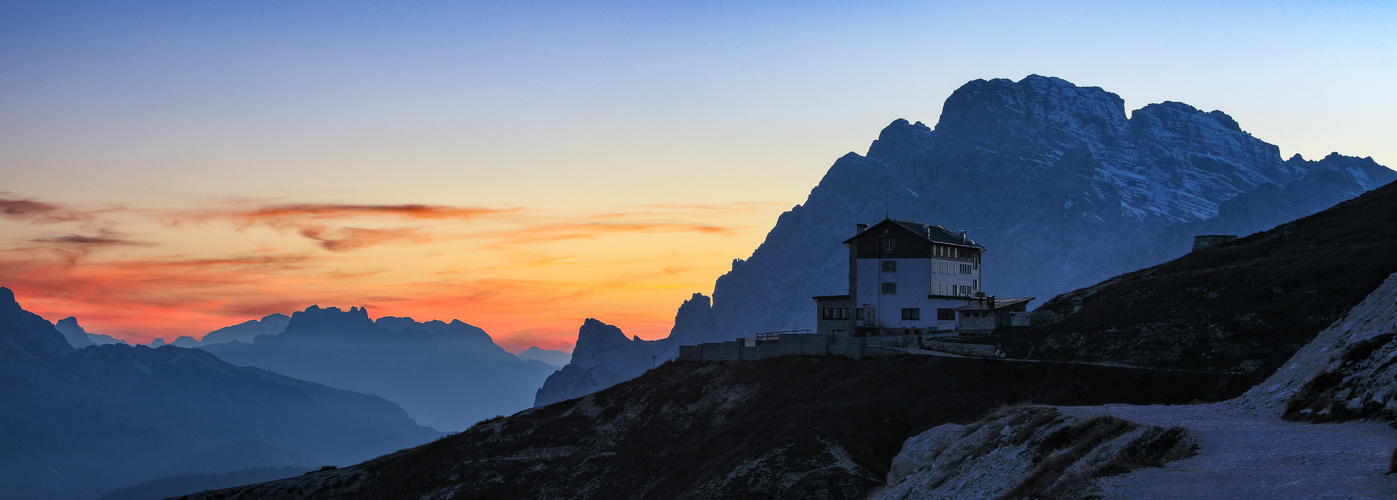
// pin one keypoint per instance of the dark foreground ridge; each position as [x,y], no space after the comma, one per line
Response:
[1248,305]
[797,427]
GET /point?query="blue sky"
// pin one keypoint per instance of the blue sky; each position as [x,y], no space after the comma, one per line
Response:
[579,114]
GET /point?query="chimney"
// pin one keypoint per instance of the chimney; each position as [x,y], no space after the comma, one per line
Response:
[860,228]
[991,302]
[962,236]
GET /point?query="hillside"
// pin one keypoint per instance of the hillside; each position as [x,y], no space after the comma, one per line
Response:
[1246,305]
[781,428]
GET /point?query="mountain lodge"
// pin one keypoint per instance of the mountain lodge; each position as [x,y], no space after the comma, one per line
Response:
[913,278]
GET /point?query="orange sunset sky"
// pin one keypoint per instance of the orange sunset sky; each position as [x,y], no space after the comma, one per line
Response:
[169,168]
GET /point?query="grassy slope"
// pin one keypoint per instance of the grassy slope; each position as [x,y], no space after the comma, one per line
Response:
[1259,298]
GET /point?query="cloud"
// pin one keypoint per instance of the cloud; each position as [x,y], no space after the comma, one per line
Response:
[570,231]
[38,211]
[76,246]
[327,211]
[349,238]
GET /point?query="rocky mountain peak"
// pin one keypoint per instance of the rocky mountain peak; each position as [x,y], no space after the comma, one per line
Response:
[1009,112]
[316,319]
[26,336]
[695,323]
[594,339]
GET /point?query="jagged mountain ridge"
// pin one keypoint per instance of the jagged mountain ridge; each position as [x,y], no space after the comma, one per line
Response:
[77,423]
[1062,187]
[446,375]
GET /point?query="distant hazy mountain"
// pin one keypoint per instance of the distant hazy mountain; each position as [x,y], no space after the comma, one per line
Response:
[77,423]
[555,358]
[1060,185]
[446,375]
[79,338]
[271,324]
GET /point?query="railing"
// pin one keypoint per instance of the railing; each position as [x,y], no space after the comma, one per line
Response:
[766,336]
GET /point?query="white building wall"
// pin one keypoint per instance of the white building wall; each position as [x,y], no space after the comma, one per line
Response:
[912,290]
[946,273]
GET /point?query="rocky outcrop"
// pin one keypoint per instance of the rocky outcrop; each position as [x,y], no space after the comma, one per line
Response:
[1027,452]
[603,357]
[1346,373]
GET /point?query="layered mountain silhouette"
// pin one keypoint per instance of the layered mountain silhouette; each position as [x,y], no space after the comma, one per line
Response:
[831,427]
[78,423]
[1057,181]
[446,375]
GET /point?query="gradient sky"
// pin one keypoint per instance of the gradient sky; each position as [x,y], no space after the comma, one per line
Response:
[168,168]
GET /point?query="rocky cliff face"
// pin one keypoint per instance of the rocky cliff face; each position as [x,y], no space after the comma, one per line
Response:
[1054,179]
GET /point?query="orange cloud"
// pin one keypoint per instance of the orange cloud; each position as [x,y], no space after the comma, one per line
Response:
[571,231]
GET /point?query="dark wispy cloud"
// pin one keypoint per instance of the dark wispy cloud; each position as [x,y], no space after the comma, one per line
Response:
[76,246]
[414,211]
[349,238]
[38,212]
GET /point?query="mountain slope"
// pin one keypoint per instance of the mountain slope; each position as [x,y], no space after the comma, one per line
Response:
[78,423]
[1054,179]
[1248,304]
[798,427]
[446,375]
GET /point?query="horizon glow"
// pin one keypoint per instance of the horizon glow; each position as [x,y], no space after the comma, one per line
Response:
[172,168]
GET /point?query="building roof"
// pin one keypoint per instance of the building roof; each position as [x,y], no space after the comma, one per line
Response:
[831,297]
[983,305]
[930,232]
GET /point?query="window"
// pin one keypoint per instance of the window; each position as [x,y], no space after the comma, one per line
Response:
[975,284]
[889,266]
[977,263]
[889,244]
[965,269]
[945,314]
[859,313]
[911,314]
[834,313]
[888,289]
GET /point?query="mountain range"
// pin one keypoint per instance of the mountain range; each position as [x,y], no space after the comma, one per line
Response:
[1057,181]
[76,423]
[446,375]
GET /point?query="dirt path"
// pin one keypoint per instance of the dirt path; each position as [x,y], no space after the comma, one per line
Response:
[1251,455]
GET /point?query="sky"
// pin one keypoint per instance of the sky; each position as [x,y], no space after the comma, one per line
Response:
[169,168]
